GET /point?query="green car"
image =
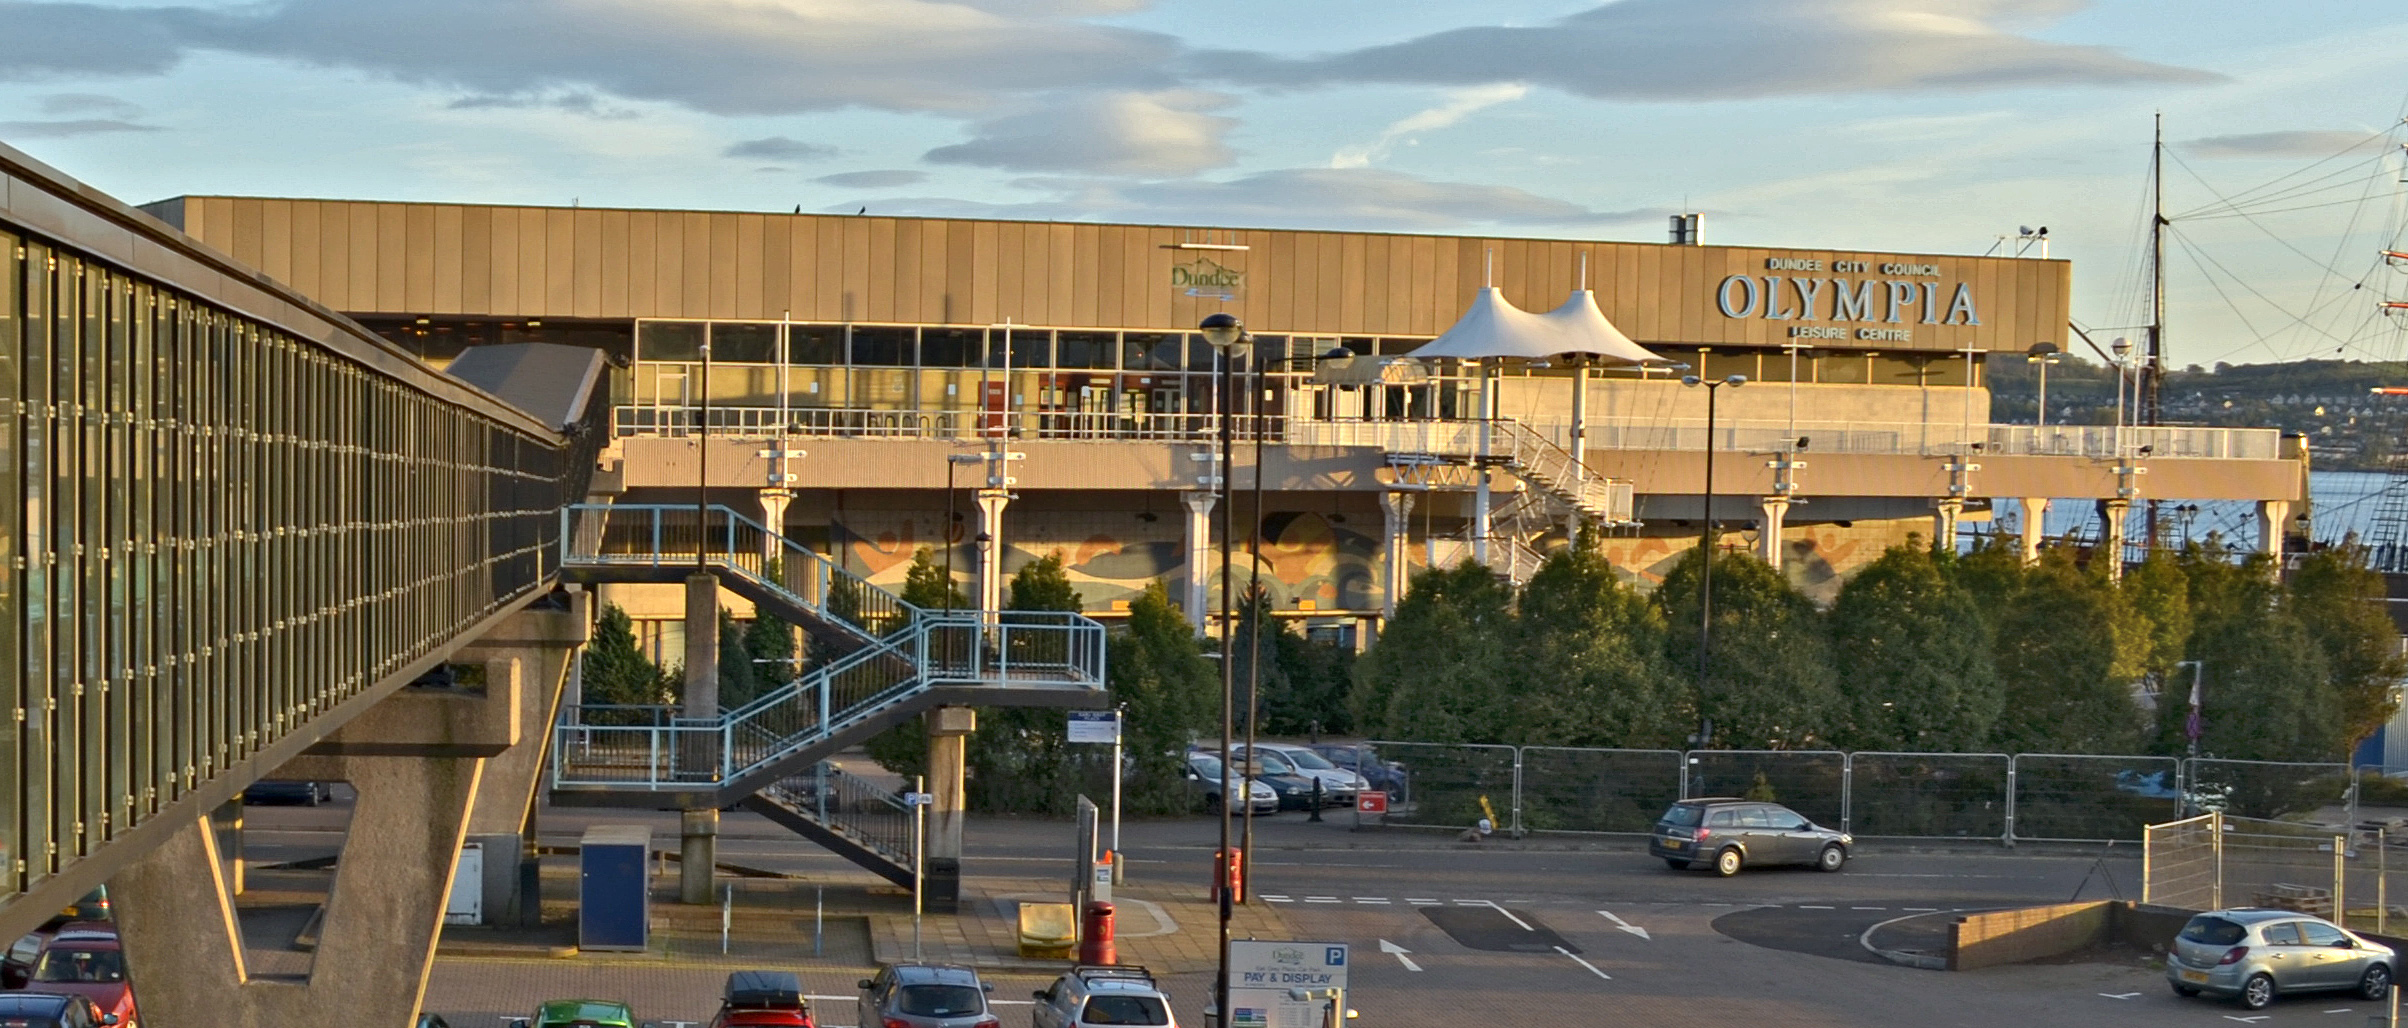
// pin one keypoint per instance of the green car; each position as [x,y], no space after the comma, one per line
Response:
[581,1013]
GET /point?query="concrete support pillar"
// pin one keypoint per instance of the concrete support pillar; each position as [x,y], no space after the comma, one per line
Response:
[1396,509]
[702,646]
[698,830]
[949,731]
[1768,529]
[1944,517]
[1199,554]
[2113,513]
[697,855]
[535,655]
[2035,512]
[990,550]
[773,516]
[1580,416]
[2272,517]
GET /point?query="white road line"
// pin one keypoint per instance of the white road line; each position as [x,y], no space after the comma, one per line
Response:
[1810,906]
[1868,908]
[2335,1010]
[1473,903]
[1321,899]
[1920,910]
[1592,967]
[1398,952]
[2248,1020]
[1509,916]
[1279,899]
[1371,899]
[1718,904]
[1430,902]
[1625,925]
[2119,995]
[1273,897]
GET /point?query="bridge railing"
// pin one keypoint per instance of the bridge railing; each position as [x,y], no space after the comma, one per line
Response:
[669,535]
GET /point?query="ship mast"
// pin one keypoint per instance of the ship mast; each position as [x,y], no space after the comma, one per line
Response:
[2152,372]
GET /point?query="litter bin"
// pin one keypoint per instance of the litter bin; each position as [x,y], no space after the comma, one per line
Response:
[1095,937]
[614,909]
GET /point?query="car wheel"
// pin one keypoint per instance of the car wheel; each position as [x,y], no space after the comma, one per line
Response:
[2185,991]
[2257,992]
[2375,983]
[1727,862]
[1676,863]
[1832,858]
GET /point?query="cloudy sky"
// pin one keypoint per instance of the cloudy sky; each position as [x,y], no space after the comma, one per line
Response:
[1911,125]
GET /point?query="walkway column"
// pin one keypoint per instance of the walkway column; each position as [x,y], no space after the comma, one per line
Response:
[536,654]
[1199,554]
[1396,509]
[773,516]
[1580,417]
[2035,512]
[2111,541]
[1768,529]
[698,830]
[949,731]
[1944,517]
[2272,517]
[990,550]
[1481,507]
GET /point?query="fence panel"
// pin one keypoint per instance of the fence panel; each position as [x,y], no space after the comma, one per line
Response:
[2267,789]
[2281,864]
[1928,795]
[2069,798]
[1444,784]
[1565,789]
[1811,782]
[2179,866]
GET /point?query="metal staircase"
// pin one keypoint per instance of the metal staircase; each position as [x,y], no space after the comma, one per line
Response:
[904,660]
[849,815]
[1534,458]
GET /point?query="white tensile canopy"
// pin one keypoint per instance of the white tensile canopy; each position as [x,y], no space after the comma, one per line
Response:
[1494,327]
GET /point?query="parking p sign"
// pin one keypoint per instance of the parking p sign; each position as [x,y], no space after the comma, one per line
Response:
[1265,979]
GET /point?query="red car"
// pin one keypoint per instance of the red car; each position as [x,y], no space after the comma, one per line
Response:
[762,999]
[84,959]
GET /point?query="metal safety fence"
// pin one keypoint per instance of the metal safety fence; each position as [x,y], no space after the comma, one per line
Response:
[2217,860]
[2008,798]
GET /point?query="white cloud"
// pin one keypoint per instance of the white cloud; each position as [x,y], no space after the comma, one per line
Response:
[1325,198]
[717,56]
[2293,145]
[883,178]
[1155,134]
[1681,50]
[779,148]
[69,127]
[1461,104]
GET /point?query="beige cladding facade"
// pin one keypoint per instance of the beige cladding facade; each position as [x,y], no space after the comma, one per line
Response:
[536,262]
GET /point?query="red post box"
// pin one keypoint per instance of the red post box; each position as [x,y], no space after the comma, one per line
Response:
[1232,875]
[1095,936]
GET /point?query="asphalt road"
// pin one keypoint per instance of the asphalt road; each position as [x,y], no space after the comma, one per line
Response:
[1530,933]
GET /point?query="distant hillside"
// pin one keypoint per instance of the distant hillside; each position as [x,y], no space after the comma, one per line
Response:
[2328,401]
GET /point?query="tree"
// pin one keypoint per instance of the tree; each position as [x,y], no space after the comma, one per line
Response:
[616,672]
[2056,656]
[1444,666]
[769,644]
[925,587]
[1172,695]
[2340,601]
[1593,671]
[1044,584]
[1020,759]
[2266,689]
[1913,652]
[1769,681]
[737,682]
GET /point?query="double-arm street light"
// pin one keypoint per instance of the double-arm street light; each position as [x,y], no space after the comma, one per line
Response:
[1705,550]
[2042,355]
[1226,333]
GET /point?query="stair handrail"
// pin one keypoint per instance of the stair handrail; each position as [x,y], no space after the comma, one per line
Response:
[811,579]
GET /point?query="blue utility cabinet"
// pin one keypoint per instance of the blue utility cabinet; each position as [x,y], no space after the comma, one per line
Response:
[613,891]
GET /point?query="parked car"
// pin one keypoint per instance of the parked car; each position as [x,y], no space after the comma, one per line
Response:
[1338,785]
[432,1021]
[50,1010]
[92,906]
[2253,956]
[1726,834]
[1116,996]
[1295,791]
[1385,776]
[278,790]
[85,959]
[581,1013]
[924,996]
[1204,776]
[762,999]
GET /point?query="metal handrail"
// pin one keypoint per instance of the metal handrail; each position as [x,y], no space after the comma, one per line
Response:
[850,805]
[668,534]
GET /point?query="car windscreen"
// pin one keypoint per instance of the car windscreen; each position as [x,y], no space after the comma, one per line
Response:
[1141,1010]
[80,965]
[938,1000]
[1684,815]
[2213,931]
[1308,760]
[1205,767]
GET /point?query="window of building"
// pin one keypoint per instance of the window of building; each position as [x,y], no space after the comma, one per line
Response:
[815,344]
[1029,348]
[669,341]
[1361,346]
[882,347]
[744,342]
[1088,350]
[951,347]
[1151,351]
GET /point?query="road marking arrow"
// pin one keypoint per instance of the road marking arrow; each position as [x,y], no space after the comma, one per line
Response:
[1399,952]
[1625,925]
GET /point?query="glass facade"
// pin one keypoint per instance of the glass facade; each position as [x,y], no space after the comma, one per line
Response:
[221,532]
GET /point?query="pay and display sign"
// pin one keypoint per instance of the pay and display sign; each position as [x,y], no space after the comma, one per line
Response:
[1095,726]
[1262,973]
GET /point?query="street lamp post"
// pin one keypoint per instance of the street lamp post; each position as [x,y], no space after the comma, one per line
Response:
[2042,355]
[1705,550]
[953,461]
[1226,333]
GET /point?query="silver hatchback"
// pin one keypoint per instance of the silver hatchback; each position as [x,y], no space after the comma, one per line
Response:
[2251,956]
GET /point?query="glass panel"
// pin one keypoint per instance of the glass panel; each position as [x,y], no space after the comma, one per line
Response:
[1031,348]
[882,388]
[815,344]
[1088,349]
[744,342]
[1200,354]
[951,347]
[889,347]
[1842,368]
[669,340]
[1152,351]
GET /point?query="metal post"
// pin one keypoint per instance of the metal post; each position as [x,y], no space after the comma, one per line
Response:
[1119,718]
[2382,881]
[2215,887]
[702,452]
[1847,789]
[819,917]
[919,858]
[2341,880]
[2010,818]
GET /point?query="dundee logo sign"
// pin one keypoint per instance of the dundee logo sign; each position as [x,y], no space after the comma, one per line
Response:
[1890,294]
[1205,277]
